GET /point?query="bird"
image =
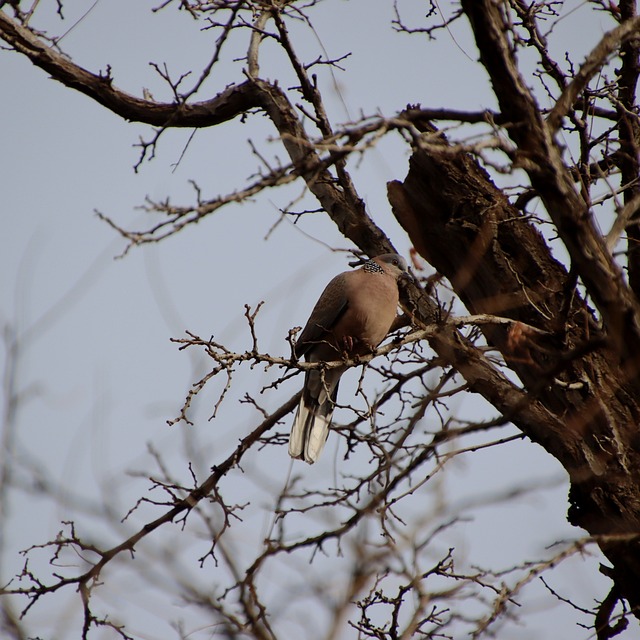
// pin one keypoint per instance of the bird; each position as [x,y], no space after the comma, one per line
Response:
[351,318]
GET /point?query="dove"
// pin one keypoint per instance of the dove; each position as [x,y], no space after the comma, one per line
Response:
[351,318]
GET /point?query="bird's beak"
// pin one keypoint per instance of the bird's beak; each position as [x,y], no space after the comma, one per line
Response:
[407,276]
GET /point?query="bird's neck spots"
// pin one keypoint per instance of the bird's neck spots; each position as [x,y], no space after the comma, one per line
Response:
[372,267]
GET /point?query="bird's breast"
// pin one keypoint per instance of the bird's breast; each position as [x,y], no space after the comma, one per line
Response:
[372,309]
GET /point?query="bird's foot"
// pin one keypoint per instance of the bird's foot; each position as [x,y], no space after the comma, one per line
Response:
[348,342]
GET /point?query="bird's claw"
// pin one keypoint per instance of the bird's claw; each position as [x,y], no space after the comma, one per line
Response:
[347,343]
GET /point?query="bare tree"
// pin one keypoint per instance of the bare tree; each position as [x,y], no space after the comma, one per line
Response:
[551,343]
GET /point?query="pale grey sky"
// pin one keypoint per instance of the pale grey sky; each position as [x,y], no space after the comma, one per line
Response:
[95,350]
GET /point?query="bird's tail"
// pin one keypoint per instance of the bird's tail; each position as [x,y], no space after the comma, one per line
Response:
[313,417]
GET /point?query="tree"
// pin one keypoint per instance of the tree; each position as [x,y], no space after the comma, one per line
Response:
[508,205]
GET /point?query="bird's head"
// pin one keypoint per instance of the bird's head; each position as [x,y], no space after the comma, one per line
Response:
[392,264]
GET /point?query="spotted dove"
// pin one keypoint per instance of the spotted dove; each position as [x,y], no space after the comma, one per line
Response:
[351,318]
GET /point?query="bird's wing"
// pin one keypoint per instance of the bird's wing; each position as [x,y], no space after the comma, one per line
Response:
[330,307]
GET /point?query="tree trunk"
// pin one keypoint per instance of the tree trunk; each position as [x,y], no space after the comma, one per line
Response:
[498,263]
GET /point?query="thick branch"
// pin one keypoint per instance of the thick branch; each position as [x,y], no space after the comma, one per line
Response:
[629,135]
[233,101]
[541,157]
[499,264]
[337,198]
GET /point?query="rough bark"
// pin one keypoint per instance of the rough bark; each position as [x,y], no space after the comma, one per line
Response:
[498,263]
[542,159]
[629,134]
